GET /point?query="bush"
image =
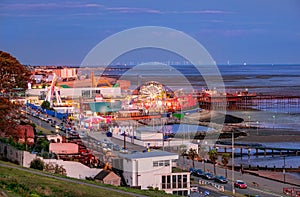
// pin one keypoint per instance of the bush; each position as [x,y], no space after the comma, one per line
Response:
[37,164]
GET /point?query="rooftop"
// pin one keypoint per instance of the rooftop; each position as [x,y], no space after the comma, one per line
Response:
[140,155]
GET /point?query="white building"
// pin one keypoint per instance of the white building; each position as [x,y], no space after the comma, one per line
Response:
[153,169]
[81,92]
[147,134]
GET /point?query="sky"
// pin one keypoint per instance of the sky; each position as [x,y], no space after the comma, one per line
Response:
[55,33]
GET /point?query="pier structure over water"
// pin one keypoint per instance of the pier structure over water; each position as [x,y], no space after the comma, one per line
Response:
[259,150]
[245,101]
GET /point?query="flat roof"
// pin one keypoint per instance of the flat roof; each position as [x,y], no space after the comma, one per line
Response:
[140,155]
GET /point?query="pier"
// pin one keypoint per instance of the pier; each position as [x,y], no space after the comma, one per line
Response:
[246,101]
[259,150]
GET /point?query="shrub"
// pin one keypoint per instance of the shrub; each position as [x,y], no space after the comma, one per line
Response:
[37,164]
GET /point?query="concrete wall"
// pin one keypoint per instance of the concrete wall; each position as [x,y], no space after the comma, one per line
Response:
[74,169]
[20,157]
[24,158]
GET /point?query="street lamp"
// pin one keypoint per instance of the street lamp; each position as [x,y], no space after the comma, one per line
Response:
[284,168]
[273,121]
[257,127]
[249,117]
[232,165]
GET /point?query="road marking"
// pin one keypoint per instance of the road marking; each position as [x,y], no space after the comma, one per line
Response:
[266,192]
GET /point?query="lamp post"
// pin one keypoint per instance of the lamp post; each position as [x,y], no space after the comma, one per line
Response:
[273,121]
[249,117]
[257,127]
[284,168]
[232,165]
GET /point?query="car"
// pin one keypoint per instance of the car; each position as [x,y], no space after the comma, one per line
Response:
[192,170]
[123,150]
[220,179]
[194,188]
[207,175]
[240,184]
[198,172]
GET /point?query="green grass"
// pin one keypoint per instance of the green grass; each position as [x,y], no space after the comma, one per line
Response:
[45,131]
[15,182]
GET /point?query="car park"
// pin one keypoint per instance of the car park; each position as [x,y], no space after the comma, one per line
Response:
[220,179]
[240,184]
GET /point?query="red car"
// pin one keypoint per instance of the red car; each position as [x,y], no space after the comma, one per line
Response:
[240,184]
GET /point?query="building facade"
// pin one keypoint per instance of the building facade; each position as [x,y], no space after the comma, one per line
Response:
[153,170]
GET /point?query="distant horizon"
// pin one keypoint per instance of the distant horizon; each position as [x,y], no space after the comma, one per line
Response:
[237,64]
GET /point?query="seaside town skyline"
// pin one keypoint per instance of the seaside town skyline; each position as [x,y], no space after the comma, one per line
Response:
[196,99]
[54,33]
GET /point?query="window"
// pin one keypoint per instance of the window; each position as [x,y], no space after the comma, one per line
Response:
[184,180]
[85,93]
[179,181]
[163,180]
[168,181]
[161,163]
[174,183]
[95,92]
[167,162]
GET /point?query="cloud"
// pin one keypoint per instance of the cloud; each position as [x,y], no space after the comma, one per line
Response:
[133,10]
[24,6]
[200,12]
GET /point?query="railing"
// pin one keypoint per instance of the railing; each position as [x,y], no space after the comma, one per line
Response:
[217,186]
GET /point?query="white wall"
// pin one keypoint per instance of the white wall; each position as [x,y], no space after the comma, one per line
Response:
[143,170]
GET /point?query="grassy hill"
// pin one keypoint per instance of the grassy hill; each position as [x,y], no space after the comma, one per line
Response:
[16,182]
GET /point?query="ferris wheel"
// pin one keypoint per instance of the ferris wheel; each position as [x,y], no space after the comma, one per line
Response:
[151,89]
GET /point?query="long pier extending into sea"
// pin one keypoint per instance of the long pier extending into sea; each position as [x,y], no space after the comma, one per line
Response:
[247,101]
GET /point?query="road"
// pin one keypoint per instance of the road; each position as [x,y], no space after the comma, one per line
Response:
[69,180]
[265,188]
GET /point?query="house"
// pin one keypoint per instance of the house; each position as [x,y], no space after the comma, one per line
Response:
[108,177]
[54,138]
[153,169]
[25,133]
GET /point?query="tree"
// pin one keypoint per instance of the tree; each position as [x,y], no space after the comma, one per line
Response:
[37,164]
[192,153]
[213,157]
[13,79]
[225,161]
[182,151]
[45,105]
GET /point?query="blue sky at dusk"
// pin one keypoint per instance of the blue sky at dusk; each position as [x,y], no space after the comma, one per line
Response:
[55,33]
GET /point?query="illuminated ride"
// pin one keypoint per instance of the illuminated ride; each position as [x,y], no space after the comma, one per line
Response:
[155,97]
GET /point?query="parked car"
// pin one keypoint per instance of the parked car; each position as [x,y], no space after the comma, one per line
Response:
[122,150]
[198,172]
[192,170]
[220,179]
[207,175]
[240,184]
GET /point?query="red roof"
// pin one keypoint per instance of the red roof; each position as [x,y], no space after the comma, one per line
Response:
[63,148]
[25,130]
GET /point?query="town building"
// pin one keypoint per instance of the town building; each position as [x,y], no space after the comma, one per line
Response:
[153,170]
[108,177]
[25,134]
